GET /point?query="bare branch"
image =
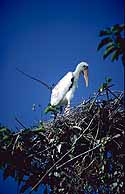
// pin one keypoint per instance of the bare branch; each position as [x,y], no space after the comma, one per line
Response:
[20,123]
[78,156]
[33,78]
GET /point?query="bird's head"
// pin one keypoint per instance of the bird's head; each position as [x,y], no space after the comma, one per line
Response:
[83,68]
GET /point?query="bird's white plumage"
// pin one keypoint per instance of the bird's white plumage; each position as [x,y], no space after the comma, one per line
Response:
[63,92]
[61,89]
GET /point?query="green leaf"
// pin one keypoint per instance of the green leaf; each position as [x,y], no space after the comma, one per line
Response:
[111,44]
[5,137]
[108,51]
[108,80]
[114,29]
[116,54]
[104,42]
[122,26]
[105,32]
[51,109]
[39,129]
[117,29]
[3,130]
[105,84]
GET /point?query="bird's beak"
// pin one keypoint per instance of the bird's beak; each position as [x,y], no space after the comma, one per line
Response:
[85,74]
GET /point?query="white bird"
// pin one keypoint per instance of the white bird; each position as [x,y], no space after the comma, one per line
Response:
[63,92]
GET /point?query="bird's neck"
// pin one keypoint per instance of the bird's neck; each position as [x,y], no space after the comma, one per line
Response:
[76,74]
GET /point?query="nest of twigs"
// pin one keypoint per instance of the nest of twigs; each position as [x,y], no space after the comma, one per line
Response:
[77,152]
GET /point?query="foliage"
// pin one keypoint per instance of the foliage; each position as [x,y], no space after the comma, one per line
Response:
[105,85]
[115,41]
[54,109]
[77,152]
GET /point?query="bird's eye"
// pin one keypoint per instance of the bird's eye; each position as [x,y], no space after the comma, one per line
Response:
[85,66]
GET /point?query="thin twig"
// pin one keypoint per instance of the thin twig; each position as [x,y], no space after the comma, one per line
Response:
[77,127]
[117,144]
[97,131]
[78,156]
[94,101]
[15,143]
[113,93]
[20,123]
[87,167]
[33,78]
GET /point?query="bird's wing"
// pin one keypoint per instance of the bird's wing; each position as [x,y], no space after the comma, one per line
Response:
[62,87]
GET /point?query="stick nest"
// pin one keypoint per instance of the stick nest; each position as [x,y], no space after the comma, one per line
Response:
[77,152]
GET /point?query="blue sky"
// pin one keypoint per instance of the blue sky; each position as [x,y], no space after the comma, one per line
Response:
[47,39]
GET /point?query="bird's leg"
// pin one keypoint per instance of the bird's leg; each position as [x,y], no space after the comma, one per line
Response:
[67,108]
[61,109]
[55,115]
